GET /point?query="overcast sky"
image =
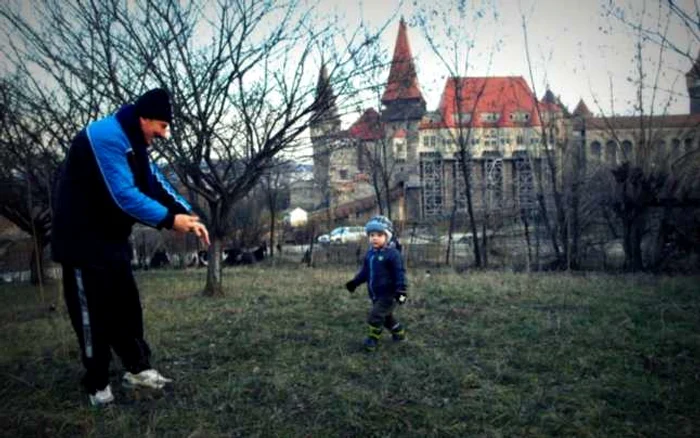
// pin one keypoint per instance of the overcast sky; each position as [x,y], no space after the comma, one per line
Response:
[575,49]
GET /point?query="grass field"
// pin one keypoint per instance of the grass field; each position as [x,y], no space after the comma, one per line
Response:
[489,355]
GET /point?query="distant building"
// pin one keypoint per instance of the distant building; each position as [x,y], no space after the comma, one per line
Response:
[304,190]
[298,217]
[508,132]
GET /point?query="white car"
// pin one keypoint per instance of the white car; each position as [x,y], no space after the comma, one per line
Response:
[347,235]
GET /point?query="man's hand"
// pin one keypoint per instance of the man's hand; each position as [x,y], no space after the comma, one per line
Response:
[186,223]
[350,286]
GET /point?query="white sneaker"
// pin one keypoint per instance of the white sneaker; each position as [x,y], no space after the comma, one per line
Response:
[148,378]
[101,398]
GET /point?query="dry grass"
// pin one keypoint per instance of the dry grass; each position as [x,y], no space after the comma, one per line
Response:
[489,354]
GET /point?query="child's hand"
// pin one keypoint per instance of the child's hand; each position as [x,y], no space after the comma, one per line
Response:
[350,286]
[401,296]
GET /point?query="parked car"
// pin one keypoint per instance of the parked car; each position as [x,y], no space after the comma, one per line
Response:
[347,234]
[324,239]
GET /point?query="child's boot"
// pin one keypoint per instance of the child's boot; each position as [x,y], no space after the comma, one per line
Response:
[398,333]
[372,338]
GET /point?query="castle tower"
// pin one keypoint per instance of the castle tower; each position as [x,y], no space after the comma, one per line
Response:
[692,80]
[582,110]
[323,131]
[402,98]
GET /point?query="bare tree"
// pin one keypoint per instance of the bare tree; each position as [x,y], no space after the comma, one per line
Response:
[380,158]
[656,179]
[451,31]
[653,20]
[30,160]
[240,73]
[548,178]
[43,108]
[275,182]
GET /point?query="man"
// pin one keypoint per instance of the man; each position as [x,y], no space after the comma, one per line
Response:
[107,183]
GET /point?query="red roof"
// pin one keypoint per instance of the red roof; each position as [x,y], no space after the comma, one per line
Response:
[368,126]
[401,133]
[501,95]
[403,82]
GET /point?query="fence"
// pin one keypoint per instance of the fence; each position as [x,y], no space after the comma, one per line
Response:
[507,248]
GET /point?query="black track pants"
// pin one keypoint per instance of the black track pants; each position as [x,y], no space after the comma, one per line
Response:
[105,311]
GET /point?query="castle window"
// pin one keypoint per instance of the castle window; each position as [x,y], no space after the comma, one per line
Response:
[430,141]
[449,142]
[626,150]
[660,147]
[596,151]
[343,174]
[400,149]
[688,143]
[489,117]
[462,117]
[611,152]
[520,116]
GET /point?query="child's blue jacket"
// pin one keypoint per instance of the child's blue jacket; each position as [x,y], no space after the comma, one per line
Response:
[384,273]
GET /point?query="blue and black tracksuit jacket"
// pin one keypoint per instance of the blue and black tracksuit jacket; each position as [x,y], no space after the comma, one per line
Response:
[106,184]
[384,273]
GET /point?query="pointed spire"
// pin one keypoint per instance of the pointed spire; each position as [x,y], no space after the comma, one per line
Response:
[582,110]
[403,82]
[549,97]
[324,95]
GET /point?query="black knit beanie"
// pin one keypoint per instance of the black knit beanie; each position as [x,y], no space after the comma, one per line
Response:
[155,104]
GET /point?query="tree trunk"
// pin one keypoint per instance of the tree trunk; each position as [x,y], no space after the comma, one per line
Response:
[485,245]
[638,263]
[575,221]
[310,260]
[466,171]
[662,237]
[632,243]
[329,210]
[387,197]
[213,287]
[560,214]
[578,171]
[37,268]
[378,193]
[450,232]
[272,233]
[538,259]
[526,225]
[548,226]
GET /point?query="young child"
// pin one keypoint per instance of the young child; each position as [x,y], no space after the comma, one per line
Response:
[386,281]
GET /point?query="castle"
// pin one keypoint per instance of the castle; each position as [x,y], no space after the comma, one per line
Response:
[509,134]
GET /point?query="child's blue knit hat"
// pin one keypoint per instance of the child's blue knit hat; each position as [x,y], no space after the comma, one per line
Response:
[380,224]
